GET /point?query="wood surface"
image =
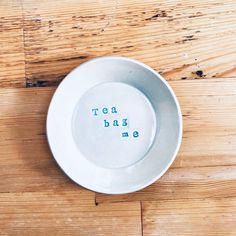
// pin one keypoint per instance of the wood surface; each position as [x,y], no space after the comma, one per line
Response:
[180,39]
[12,60]
[206,163]
[66,213]
[191,43]
[198,217]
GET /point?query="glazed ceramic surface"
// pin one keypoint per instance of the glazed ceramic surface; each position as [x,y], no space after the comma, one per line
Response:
[114,125]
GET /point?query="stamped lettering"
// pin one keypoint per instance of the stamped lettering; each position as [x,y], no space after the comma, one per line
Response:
[110,120]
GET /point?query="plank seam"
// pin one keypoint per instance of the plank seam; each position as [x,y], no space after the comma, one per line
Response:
[141,212]
[167,199]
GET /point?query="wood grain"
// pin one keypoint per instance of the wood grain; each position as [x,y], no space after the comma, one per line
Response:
[12,60]
[185,183]
[197,217]
[205,165]
[198,171]
[36,197]
[180,39]
[66,213]
[26,162]
[209,115]
[191,43]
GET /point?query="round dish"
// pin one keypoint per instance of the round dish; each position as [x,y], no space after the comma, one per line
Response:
[114,125]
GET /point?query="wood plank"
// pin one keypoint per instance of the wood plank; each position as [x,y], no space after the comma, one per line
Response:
[26,162]
[197,217]
[205,165]
[184,183]
[66,213]
[12,62]
[27,165]
[180,39]
[209,115]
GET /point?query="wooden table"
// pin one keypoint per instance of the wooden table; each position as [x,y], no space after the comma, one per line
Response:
[191,43]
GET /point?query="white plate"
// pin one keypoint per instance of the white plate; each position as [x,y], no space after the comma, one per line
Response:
[114,125]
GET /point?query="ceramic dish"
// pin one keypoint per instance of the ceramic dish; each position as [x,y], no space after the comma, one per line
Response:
[114,125]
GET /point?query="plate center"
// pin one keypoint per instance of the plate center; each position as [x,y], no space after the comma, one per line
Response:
[114,125]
